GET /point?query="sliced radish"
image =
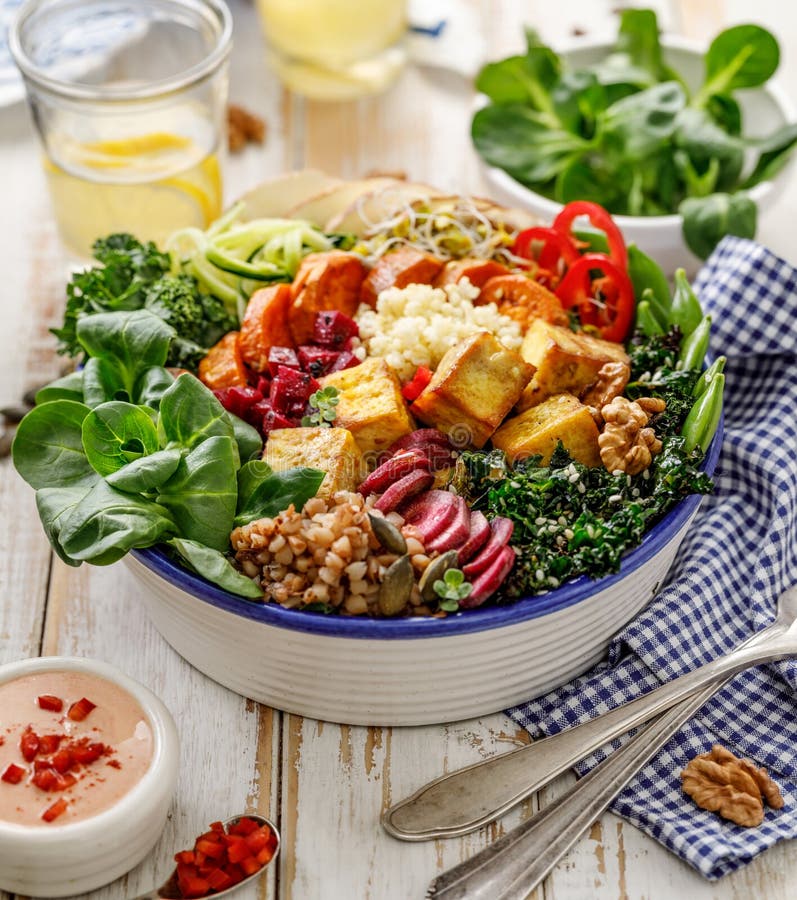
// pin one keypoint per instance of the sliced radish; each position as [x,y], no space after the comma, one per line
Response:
[456,533]
[390,471]
[415,483]
[501,529]
[480,532]
[491,579]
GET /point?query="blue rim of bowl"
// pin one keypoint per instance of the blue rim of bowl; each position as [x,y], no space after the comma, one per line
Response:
[481,619]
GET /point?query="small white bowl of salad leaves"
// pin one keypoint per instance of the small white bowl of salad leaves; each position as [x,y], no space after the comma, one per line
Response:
[681,143]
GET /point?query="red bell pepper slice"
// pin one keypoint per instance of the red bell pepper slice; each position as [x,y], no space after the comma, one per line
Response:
[555,246]
[600,219]
[611,313]
[410,392]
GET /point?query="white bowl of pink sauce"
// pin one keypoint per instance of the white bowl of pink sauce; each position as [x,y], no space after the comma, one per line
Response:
[84,789]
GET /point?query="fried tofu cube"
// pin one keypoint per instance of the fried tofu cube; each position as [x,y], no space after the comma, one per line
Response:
[476,384]
[371,405]
[565,361]
[538,430]
[333,450]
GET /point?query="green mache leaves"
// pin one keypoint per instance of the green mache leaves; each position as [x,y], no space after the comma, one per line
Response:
[214,565]
[189,414]
[625,133]
[118,433]
[263,493]
[708,219]
[48,446]
[147,473]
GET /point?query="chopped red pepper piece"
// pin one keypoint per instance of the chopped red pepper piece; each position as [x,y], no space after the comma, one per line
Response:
[29,744]
[49,743]
[606,303]
[63,761]
[215,850]
[54,811]
[80,709]
[13,774]
[601,219]
[48,701]
[244,826]
[250,865]
[414,388]
[88,753]
[219,880]
[186,857]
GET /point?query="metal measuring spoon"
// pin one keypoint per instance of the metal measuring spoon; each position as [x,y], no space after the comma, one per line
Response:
[170,891]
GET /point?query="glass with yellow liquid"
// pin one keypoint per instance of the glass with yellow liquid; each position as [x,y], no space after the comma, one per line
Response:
[129,97]
[335,49]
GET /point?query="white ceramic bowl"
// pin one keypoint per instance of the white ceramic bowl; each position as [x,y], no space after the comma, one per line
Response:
[63,860]
[763,110]
[413,671]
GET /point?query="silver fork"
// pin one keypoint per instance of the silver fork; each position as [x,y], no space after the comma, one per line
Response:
[512,866]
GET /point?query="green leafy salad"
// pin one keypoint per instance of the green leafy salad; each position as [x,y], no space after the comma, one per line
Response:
[628,133]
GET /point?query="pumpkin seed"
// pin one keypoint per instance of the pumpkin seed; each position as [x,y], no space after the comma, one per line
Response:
[435,571]
[396,587]
[388,535]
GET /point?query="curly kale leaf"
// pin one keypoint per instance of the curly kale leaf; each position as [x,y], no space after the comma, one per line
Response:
[650,353]
[199,319]
[571,519]
[128,267]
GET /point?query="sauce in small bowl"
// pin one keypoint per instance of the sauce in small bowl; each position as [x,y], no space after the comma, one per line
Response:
[88,767]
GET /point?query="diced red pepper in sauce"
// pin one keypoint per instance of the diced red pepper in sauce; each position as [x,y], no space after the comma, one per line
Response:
[29,744]
[49,743]
[54,811]
[50,702]
[13,774]
[80,709]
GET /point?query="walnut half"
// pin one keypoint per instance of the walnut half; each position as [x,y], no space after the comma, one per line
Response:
[626,443]
[733,787]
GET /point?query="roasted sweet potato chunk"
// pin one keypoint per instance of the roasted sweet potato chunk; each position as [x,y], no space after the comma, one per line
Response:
[398,268]
[265,325]
[522,299]
[325,281]
[223,367]
[477,271]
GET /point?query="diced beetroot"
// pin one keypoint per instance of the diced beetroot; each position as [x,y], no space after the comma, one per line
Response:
[282,356]
[345,360]
[272,420]
[480,532]
[432,513]
[263,385]
[490,579]
[291,388]
[317,361]
[239,400]
[332,329]
[415,482]
[457,532]
[394,468]
[501,529]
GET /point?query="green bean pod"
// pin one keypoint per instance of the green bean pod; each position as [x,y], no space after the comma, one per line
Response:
[685,312]
[716,368]
[646,320]
[704,416]
[694,347]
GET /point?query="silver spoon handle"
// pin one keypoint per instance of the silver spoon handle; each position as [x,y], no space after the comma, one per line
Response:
[510,868]
[465,800]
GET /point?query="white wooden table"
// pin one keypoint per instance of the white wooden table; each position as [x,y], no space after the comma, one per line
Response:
[325,785]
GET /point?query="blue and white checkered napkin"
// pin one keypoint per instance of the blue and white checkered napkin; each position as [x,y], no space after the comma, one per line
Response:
[738,556]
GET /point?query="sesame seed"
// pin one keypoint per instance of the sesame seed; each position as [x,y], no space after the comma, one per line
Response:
[646,474]
[574,478]
[581,487]
[562,520]
[539,575]
[635,492]
[569,534]
[540,520]
[615,498]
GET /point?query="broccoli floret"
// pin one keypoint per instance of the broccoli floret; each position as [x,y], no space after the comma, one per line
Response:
[199,319]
